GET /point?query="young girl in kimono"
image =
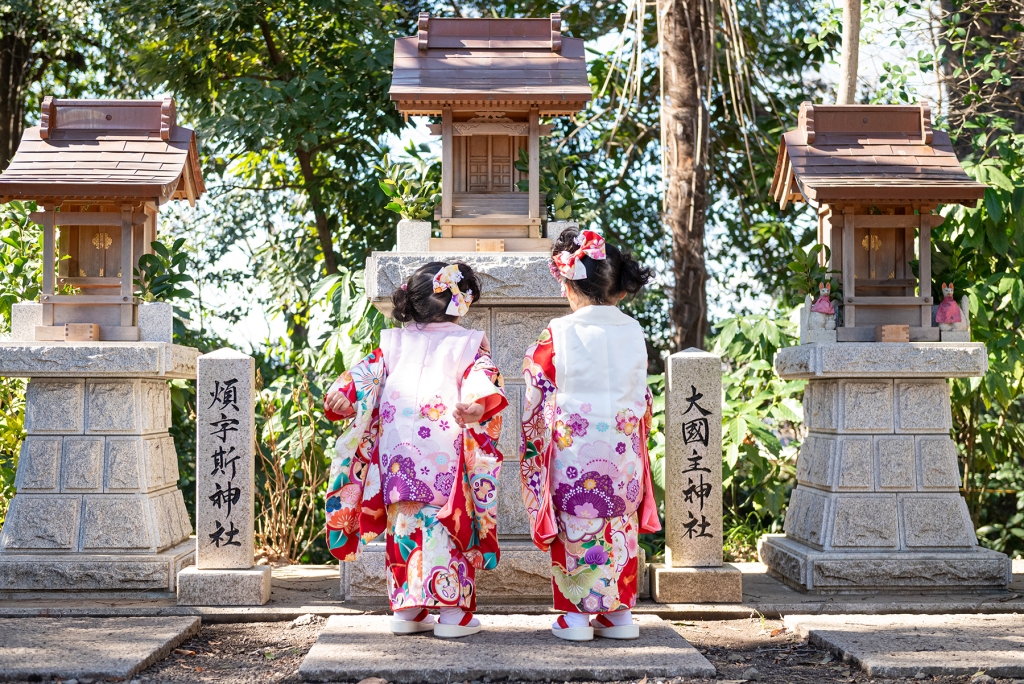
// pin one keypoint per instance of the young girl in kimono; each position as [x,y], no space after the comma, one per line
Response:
[586,476]
[419,460]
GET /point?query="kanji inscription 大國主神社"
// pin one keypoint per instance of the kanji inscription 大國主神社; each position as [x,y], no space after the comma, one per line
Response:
[693,470]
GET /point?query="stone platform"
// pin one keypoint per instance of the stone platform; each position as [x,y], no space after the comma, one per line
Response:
[301,589]
[97,505]
[877,505]
[514,647]
[41,649]
[909,645]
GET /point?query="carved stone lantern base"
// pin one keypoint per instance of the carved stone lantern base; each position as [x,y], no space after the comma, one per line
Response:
[877,505]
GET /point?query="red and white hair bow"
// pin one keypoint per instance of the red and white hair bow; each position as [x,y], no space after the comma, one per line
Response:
[448,278]
[569,265]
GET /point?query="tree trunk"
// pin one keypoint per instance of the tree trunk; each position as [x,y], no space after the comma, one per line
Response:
[846,90]
[684,121]
[323,228]
[15,61]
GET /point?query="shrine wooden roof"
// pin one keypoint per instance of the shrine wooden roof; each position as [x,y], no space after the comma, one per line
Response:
[870,153]
[114,150]
[489,63]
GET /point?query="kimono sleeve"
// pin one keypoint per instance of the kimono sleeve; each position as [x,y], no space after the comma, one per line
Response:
[537,443]
[353,489]
[483,383]
[471,514]
[648,509]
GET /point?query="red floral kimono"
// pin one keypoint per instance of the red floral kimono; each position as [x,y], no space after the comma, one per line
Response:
[393,474]
[586,483]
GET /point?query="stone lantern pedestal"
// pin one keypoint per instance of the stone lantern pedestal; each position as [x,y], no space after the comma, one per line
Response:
[97,507]
[877,505]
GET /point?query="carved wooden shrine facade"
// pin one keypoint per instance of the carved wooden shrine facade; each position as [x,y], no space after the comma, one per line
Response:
[876,174]
[490,81]
[99,171]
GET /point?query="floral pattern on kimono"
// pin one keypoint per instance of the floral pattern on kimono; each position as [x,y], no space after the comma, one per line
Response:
[594,552]
[356,509]
[425,568]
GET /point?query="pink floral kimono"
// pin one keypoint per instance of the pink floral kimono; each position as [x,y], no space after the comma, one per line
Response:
[585,469]
[404,467]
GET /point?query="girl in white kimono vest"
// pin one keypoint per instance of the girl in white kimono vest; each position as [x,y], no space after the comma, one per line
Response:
[585,470]
[420,460]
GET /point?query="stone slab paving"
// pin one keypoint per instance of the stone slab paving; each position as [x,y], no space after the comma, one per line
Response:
[519,647]
[92,648]
[904,645]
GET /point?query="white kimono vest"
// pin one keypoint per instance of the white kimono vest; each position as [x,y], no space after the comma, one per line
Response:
[420,442]
[601,377]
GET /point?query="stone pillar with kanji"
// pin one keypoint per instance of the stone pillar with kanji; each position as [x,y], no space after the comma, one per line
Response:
[224,574]
[693,570]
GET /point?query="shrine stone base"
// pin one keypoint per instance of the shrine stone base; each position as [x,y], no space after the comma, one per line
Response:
[877,504]
[248,587]
[722,584]
[97,506]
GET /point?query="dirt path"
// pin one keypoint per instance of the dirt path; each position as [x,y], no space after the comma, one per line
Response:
[272,652]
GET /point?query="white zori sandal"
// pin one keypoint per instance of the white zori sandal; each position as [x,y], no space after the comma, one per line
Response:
[603,627]
[464,628]
[564,631]
[422,622]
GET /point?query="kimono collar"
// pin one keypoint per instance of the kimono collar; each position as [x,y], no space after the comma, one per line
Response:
[597,314]
[434,327]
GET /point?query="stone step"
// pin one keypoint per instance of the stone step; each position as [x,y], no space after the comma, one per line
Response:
[105,649]
[510,647]
[934,645]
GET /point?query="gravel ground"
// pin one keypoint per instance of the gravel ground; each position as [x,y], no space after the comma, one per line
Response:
[741,650]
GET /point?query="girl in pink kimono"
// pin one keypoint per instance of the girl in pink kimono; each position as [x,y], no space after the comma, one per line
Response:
[585,470]
[419,460]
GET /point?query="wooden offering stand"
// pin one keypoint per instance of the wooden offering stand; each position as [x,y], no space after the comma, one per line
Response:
[99,170]
[490,81]
[876,174]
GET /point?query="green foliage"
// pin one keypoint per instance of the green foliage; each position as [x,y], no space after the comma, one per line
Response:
[981,251]
[762,416]
[654,544]
[557,185]
[807,272]
[21,264]
[160,277]
[411,193]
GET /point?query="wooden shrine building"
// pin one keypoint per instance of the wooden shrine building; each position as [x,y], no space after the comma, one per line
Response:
[490,81]
[99,171]
[876,174]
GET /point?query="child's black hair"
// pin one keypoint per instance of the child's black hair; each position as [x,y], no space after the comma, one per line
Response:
[619,273]
[417,302]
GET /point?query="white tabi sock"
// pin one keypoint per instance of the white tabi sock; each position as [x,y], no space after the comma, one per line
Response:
[407,614]
[620,618]
[575,620]
[453,616]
